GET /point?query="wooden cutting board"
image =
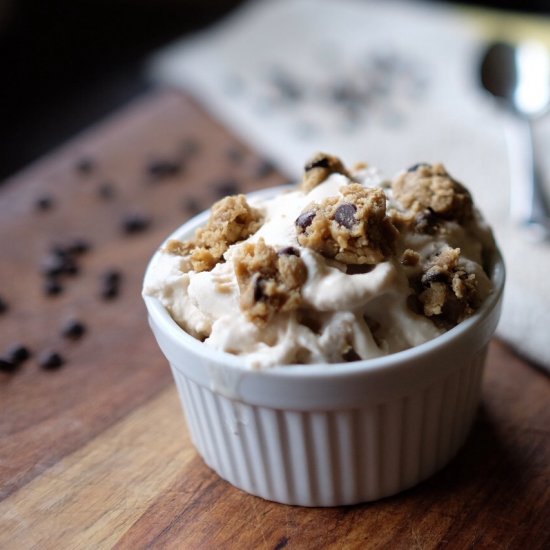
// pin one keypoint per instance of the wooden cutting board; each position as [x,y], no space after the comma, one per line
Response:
[95,454]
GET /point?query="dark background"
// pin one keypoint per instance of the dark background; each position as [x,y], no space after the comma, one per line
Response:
[67,63]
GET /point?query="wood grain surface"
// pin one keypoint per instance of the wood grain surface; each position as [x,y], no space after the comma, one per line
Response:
[95,454]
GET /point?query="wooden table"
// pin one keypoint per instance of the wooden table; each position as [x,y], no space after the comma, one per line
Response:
[95,454]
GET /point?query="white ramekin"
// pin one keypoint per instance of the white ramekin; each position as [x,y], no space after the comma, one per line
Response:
[327,435]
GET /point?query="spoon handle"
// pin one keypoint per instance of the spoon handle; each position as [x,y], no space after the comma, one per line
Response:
[537,220]
[528,202]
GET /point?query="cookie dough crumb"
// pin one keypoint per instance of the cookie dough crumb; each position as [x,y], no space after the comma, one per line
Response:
[352,229]
[319,168]
[232,220]
[178,248]
[410,257]
[449,294]
[429,192]
[269,281]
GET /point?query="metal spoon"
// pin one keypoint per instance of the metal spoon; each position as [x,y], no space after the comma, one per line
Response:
[519,76]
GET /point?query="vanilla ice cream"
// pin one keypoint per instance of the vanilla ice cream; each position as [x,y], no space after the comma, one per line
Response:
[343,267]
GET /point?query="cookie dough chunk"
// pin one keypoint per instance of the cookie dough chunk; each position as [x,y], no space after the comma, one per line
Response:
[448,293]
[352,229]
[319,168]
[269,280]
[430,193]
[232,220]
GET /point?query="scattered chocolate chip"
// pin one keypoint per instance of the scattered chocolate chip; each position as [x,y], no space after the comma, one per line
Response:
[70,267]
[289,251]
[192,205]
[263,169]
[345,215]
[3,306]
[85,165]
[45,202]
[110,284]
[53,265]
[51,360]
[223,188]
[17,354]
[323,162]
[59,263]
[351,355]
[164,168]
[416,166]
[109,292]
[73,329]
[235,155]
[135,223]
[78,247]
[358,269]
[52,286]
[111,277]
[7,366]
[305,219]
[106,191]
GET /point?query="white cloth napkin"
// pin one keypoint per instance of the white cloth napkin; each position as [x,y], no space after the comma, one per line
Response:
[392,83]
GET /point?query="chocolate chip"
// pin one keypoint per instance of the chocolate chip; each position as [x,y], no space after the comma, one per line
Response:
[358,269]
[289,251]
[60,263]
[345,215]
[78,247]
[323,162]
[164,168]
[110,284]
[17,354]
[434,275]
[73,329]
[7,366]
[110,292]
[51,360]
[416,166]
[106,191]
[85,165]
[259,283]
[427,222]
[305,219]
[351,355]
[4,307]
[52,286]
[70,267]
[44,202]
[226,187]
[53,265]
[111,277]
[135,223]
